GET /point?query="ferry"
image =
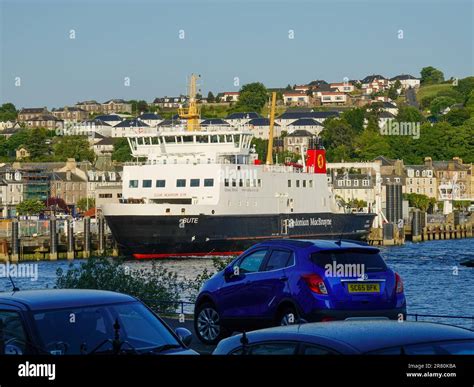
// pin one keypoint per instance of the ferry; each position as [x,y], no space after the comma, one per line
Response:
[203,191]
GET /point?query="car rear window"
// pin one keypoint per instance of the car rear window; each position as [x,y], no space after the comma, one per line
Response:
[371,260]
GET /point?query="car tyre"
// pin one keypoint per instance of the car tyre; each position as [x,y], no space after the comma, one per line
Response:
[207,324]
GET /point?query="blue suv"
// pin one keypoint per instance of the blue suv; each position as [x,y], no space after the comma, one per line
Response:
[280,282]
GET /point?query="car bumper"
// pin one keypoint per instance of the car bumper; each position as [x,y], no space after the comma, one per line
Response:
[340,314]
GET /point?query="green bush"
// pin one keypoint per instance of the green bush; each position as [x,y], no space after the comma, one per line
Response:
[150,285]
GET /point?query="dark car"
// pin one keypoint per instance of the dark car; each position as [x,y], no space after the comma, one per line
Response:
[377,337]
[279,282]
[72,322]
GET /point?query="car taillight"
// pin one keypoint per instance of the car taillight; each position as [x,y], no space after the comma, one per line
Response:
[315,283]
[398,283]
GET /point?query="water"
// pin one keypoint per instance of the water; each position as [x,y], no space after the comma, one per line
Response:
[434,281]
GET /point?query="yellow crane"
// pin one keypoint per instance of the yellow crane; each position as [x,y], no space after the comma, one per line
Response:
[191,113]
[270,135]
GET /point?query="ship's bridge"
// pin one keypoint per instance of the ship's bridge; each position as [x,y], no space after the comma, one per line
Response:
[179,146]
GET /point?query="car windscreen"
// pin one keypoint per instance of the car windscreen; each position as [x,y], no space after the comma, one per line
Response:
[370,259]
[82,330]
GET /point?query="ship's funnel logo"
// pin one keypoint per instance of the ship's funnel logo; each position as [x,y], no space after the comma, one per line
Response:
[320,161]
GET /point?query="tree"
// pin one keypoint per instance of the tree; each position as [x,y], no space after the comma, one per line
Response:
[457,116]
[37,144]
[431,75]
[85,204]
[121,151]
[441,103]
[8,112]
[138,107]
[355,118]
[30,207]
[210,97]
[370,143]
[75,147]
[409,114]
[465,87]
[338,138]
[419,201]
[17,140]
[392,93]
[260,147]
[470,103]
[397,85]
[253,97]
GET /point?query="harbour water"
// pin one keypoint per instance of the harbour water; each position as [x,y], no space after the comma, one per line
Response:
[434,281]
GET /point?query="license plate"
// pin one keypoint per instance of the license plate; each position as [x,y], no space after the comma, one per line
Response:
[363,288]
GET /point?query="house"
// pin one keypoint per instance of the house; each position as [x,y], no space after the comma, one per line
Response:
[91,107]
[116,106]
[110,119]
[239,119]
[214,122]
[7,133]
[421,179]
[298,141]
[70,114]
[230,96]
[260,127]
[295,99]
[384,118]
[100,177]
[7,124]
[151,119]
[351,186]
[47,121]
[90,128]
[454,172]
[390,107]
[68,186]
[306,124]
[302,88]
[407,81]
[374,83]
[170,102]
[104,145]
[22,153]
[331,97]
[106,194]
[318,83]
[133,126]
[290,116]
[11,190]
[30,113]
[343,87]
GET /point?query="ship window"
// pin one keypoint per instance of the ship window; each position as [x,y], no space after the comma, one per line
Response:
[202,139]
[289,183]
[241,183]
[304,183]
[187,138]
[133,184]
[311,184]
[221,138]
[247,182]
[194,182]
[297,184]
[229,138]
[146,184]
[183,210]
[208,182]
[259,182]
[181,183]
[168,210]
[234,183]
[214,138]
[226,182]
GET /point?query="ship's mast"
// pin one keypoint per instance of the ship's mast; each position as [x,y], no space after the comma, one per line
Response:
[192,113]
[270,135]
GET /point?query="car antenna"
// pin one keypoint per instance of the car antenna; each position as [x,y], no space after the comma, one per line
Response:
[15,289]
[245,342]
[339,241]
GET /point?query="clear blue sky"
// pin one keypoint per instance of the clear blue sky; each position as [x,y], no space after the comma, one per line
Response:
[223,40]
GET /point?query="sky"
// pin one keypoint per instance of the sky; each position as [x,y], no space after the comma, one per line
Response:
[56,53]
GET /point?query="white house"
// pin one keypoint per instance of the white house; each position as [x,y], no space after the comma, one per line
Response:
[306,124]
[261,128]
[332,97]
[230,96]
[110,119]
[134,126]
[151,119]
[344,87]
[240,119]
[407,81]
[295,98]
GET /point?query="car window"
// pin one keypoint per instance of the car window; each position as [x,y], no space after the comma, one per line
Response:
[279,259]
[372,260]
[251,263]
[14,335]
[464,347]
[316,350]
[283,348]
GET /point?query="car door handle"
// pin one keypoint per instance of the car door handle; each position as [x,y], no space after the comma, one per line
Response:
[283,278]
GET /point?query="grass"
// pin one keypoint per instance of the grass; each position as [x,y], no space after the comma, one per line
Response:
[431,90]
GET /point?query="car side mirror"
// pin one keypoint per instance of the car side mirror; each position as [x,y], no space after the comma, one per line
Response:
[229,272]
[184,335]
